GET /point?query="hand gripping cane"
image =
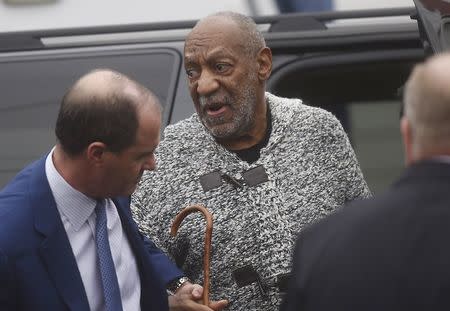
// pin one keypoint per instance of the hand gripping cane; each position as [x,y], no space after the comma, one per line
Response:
[208,234]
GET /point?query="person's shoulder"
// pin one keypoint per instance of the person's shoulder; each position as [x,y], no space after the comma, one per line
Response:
[182,139]
[15,218]
[189,127]
[300,111]
[355,218]
[15,196]
[18,187]
[353,232]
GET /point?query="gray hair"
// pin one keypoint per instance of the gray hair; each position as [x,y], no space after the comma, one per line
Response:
[254,39]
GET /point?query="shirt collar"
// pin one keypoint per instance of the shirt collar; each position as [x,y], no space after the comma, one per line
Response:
[74,205]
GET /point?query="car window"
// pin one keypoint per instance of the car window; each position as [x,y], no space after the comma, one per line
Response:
[376,140]
[32,86]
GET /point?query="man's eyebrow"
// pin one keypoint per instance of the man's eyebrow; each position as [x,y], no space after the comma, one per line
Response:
[190,58]
[218,53]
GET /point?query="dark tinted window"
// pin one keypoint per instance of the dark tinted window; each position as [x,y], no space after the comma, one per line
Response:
[31,87]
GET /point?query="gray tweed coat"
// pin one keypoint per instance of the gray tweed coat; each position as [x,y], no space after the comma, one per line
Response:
[311,168]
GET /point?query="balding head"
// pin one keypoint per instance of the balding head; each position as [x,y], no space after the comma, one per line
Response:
[238,25]
[105,83]
[427,107]
[101,106]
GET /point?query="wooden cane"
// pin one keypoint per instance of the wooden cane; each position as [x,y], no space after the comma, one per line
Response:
[208,234]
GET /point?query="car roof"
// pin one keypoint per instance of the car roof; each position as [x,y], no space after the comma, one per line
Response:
[285,31]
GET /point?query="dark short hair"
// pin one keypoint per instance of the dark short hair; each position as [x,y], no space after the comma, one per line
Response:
[111,119]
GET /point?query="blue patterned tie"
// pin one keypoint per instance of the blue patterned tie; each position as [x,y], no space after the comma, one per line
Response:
[111,291]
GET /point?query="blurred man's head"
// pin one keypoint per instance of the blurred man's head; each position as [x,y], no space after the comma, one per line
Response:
[227,64]
[107,128]
[426,122]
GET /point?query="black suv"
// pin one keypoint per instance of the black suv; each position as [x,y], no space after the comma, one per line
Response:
[352,63]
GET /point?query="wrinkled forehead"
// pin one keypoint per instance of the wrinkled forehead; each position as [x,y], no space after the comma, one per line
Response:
[214,33]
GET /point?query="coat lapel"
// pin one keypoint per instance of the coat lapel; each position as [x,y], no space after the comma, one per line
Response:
[55,250]
[153,295]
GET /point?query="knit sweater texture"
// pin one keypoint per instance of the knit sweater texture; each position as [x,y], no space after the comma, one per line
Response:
[312,170]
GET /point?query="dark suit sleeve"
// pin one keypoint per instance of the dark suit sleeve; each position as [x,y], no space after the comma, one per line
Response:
[166,267]
[294,297]
[7,292]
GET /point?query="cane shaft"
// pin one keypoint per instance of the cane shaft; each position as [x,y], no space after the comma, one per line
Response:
[207,249]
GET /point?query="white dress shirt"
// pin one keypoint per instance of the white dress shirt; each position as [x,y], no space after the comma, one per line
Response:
[77,214]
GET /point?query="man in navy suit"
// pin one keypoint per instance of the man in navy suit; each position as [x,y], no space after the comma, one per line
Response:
[107,130]
[391,252]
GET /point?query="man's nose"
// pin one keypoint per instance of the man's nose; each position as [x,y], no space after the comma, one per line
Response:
[207,83]
[150,164]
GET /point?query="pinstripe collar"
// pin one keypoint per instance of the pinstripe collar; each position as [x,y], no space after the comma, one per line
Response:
[71,203]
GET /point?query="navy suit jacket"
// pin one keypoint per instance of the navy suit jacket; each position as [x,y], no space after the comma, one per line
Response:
[38,270]
[388,253]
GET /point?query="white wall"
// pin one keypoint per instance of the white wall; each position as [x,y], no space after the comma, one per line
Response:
[72,13]
[75,13]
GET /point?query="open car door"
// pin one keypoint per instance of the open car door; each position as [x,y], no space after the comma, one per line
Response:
[433,17]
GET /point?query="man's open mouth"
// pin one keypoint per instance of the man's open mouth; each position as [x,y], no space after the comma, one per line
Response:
[215,110]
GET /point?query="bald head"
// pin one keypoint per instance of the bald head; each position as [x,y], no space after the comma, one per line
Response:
[102,106]
[100,82]
[105,83]
[238,25]
[427,107]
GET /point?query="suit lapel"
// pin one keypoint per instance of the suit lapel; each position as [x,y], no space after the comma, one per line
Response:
[153,296]
[55,250]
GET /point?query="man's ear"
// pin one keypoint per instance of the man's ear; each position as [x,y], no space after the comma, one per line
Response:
[264,60]
[406,131]
[95,152]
